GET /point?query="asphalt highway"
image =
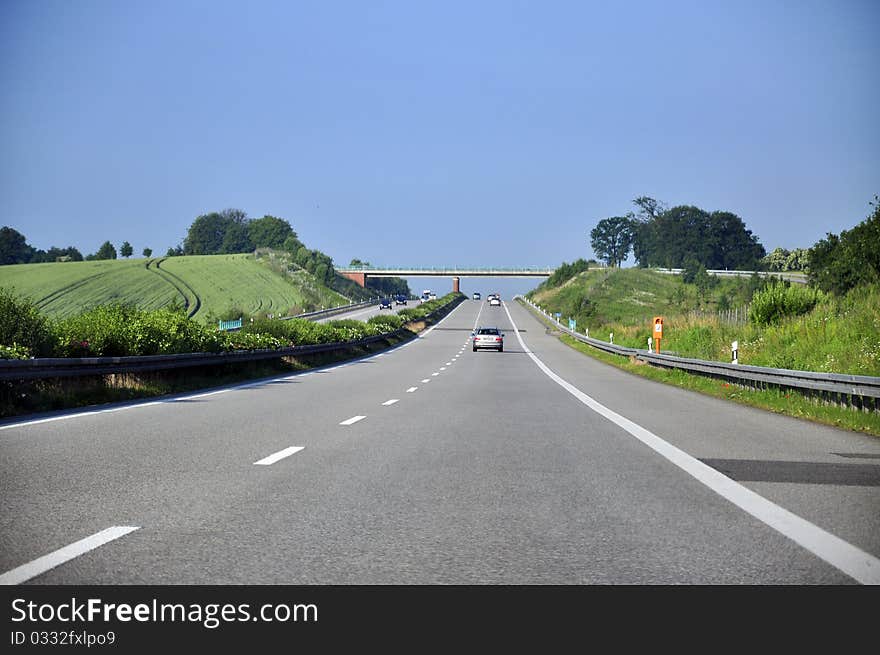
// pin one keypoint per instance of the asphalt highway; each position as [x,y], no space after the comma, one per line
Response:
[433,464]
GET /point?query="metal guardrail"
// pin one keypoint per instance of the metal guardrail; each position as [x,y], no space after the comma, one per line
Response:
[799,278]
[63,367]
[332,311]
[861,391]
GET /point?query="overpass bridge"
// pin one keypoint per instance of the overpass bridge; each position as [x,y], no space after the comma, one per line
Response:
[360,273]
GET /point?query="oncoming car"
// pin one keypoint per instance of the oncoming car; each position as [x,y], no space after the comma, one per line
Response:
[385,303]
[488,337]
[400,299]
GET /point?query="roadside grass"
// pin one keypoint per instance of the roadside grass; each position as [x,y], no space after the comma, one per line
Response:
[780,401]
[840,335]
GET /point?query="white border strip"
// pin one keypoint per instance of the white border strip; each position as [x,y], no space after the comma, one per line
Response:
[47,562]
[281,454]
[856,563]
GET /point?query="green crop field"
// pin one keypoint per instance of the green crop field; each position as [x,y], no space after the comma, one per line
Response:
[207,286]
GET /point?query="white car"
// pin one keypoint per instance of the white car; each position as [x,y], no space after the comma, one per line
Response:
[487,337]
[494,301]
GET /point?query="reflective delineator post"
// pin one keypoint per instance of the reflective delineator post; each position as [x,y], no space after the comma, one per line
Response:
[734,351]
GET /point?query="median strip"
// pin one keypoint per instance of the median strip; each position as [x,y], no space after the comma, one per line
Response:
[281,454]
[47,562]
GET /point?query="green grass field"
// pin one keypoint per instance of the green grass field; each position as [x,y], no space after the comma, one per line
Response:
[207,286]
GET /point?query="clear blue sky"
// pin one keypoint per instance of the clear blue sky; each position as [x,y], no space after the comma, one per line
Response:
[471,133]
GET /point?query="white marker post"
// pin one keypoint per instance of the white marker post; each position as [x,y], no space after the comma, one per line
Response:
[650,344]
[734,348]
[611,338]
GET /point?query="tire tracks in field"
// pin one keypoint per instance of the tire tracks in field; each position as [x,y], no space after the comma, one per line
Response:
[57,293]
[178,283]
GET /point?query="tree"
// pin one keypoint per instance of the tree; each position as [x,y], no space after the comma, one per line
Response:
[147,252]
[106,251]
[126,250]
[236,239]
[13,247]
[734,246]
[269,232]
[205,235]
[840,263]
[612,238]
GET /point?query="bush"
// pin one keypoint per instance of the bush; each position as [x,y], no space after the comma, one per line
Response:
[387,322]
[779,300]
[22,326]
[121,330]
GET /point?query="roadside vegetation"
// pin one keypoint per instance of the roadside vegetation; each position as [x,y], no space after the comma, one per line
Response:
[831,325]
[124,330]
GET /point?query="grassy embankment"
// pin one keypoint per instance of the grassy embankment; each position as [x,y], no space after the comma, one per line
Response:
[208,286]
[837,336]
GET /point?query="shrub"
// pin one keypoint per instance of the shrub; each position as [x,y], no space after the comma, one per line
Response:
[121,330]
[387,322]
[23,326]
[779,300]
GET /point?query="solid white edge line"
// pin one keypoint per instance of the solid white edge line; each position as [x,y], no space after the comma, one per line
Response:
[388,403]
[856,563]
[352,420]
[48,562]
[281,454]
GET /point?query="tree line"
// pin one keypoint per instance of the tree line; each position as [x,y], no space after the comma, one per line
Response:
[693,239]
[677,237]
[14,249]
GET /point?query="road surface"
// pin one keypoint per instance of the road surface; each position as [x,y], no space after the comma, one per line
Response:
[433,464]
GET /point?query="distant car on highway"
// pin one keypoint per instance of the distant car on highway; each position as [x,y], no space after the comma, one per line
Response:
[476,295]
[488,337]
[400,299]
[494,301]
[385,303]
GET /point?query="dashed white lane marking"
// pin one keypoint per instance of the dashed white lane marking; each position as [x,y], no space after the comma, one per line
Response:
[426,380]
[391,402]
[442,368]
[435,374]
[411,389]
[449,363]
[352,420]
[47,562]
[281,454]
[856,563]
